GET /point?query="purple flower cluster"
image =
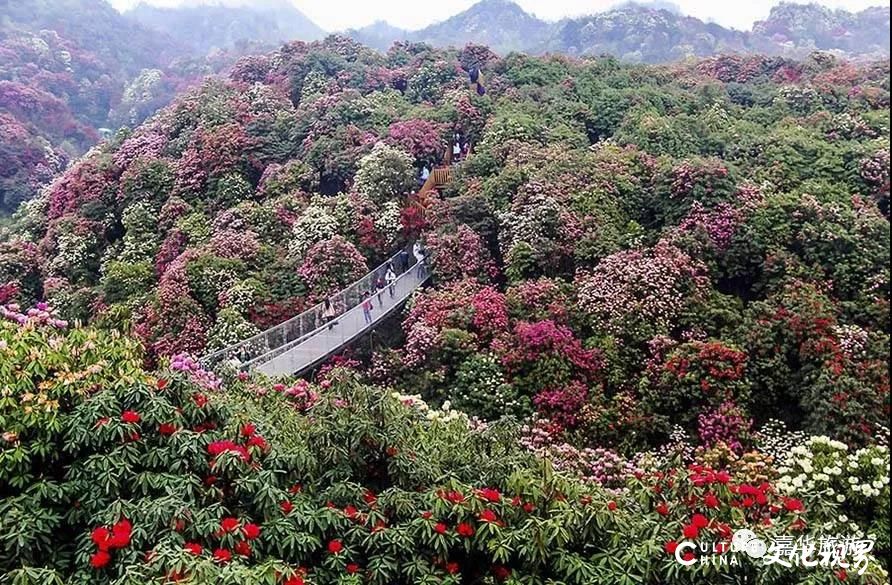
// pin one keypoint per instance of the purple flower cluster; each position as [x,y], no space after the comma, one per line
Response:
[727,424]
[719,224]
[599,465]
[183,362]
[36,316]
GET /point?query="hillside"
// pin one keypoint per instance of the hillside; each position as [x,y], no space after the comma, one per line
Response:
[658,312]
[204,27]
[499,24]
[92,26]
[62,67]
[642,34]
[378,35]
[69,68]
[792,28]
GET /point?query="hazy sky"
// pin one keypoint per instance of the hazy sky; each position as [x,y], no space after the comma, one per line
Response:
[341,14]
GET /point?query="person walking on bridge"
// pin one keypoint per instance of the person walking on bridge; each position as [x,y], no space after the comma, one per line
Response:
[367,308]
[328,313]
[390,279]
[379,286]
[418,252]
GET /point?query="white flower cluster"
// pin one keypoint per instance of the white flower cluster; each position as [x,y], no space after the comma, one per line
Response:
[314,225]
[852,339]
[385,173]
[443,414]
[239,296]
[482,389]
[388,221]
[776,440]
[826,467]
[230,327]
[140,242]
[73,251]
[529,224]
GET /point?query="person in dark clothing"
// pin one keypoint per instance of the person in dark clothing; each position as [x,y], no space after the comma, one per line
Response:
[328,313]
[379,285]
[403,260]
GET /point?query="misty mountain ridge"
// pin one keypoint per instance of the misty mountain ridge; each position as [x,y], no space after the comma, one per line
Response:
[220,24]
[650,32]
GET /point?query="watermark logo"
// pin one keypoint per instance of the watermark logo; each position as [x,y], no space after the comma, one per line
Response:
[838,552]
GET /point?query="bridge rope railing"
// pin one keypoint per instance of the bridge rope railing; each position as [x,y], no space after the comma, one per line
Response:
[305,353]
[309,321]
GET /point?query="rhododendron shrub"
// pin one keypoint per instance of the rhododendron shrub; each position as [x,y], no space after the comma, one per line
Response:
[636,294]
[538,234]
[444,328]
[546,361]
[843,388]
[175,321]
[459,254]
[821,235]
[727,424]
[874,170]
[331,265]
[707,182]
[695,378]
[319,482]
[539,300]
[19,271]
[386,172]
[420,138]
[822,470]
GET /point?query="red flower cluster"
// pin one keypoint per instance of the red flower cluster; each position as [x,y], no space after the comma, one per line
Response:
[489,516]
[222,555]
[130,417]
[701,475]
[228,525]
[167,429]
[490,495]
[465,529]
[194,548]
[452,496]
[217,448]
[107,540]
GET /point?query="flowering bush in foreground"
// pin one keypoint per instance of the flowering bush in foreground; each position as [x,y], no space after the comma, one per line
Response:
[157,479]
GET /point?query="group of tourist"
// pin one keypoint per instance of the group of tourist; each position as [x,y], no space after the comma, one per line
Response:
[384,280]
[459,149]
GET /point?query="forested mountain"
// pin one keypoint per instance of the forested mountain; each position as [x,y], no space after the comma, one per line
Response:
[500,24]
[643,34]
[63,64]
[93,27]
[792,28]
[651,33]
[658,311]
[655,310]
[71,67]
[203,27]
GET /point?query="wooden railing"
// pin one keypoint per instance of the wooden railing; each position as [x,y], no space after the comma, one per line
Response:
[438,177]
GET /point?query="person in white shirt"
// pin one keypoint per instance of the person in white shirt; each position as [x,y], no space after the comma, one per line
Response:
[390,279]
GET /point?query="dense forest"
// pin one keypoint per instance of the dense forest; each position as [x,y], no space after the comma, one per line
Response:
[72,71]
[659,311]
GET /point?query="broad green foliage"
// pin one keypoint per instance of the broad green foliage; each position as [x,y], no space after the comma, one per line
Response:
[169,477]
